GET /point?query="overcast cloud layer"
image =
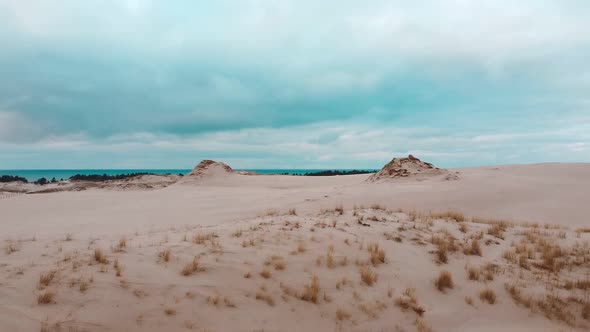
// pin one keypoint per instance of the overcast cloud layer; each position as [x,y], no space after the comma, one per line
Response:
[317,84]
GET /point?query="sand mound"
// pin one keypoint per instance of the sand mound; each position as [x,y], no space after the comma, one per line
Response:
[405,167]
[141,182]
[147,181]
[207,169]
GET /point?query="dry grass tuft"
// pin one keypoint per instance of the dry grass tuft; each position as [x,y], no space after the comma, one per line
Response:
[463,228]
[165,255]
[46,297]
[488,295]
[510,256]
[216,301]
[310,292]
[408,301]
[342,282]
[121,245]
[118,268]
[271,213]
[550,305]
[441,255]
[84,285]
[330,261]
[265,273]
[248,243]
[490,270]
[392,237]
[421,326]
[473,273]
[368,277]
[280,265]
[11,248]
[444,281]
[474,249]
[263,296]
[503,223]
[228,302]
[301,247]
[100,257]
[203,238]
[342,315]
[277,262]
[46,278]
[379,207]
[170,312]
[497,230]
[445,243]
[552,255]
[450,215]
[377,255]
[191,267]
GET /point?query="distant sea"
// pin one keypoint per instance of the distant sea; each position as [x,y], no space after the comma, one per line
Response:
[33,175]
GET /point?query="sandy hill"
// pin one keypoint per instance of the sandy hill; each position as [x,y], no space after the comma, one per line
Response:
[140,182]
[405,167]
[207,169]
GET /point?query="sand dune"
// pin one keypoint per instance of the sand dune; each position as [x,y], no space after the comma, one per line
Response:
[406,167]
[256,261]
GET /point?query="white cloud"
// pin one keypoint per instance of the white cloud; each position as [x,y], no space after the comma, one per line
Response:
[578,146]
[313,33]
[286,56]
[14,127]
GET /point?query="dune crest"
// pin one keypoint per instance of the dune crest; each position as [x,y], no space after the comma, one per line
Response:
[405,167]
[207,169]
[209,166]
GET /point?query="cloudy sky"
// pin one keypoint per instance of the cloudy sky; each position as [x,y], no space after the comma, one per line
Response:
[292,83]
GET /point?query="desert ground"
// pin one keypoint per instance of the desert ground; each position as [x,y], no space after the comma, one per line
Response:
[499,248]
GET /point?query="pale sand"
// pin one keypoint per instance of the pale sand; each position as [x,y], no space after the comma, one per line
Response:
[34,229]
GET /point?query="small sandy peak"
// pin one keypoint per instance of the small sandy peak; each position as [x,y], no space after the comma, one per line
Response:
[405,167]
[209,167]
[206,172]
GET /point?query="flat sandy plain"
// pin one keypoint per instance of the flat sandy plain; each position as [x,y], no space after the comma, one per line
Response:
[500,248]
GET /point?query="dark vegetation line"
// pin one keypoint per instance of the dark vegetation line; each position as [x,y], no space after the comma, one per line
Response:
[105,177]
[333,173]
[77,177]
[10,178]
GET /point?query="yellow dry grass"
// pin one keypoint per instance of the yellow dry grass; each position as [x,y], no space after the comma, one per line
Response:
[191,267]
[444,281]
[488,295]
[368,277]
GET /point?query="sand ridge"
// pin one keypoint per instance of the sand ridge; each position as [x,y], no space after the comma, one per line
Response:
[365,268]
[406,167]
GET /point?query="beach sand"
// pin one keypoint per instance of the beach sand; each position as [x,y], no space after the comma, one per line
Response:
[233,252]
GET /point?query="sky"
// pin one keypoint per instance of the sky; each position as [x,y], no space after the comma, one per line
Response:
[292,83]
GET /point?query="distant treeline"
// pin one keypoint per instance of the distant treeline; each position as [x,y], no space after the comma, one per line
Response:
[104,177]
[335,172]
[10,178]
[77,177]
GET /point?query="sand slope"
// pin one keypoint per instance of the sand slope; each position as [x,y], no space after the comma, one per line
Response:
[60,232]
